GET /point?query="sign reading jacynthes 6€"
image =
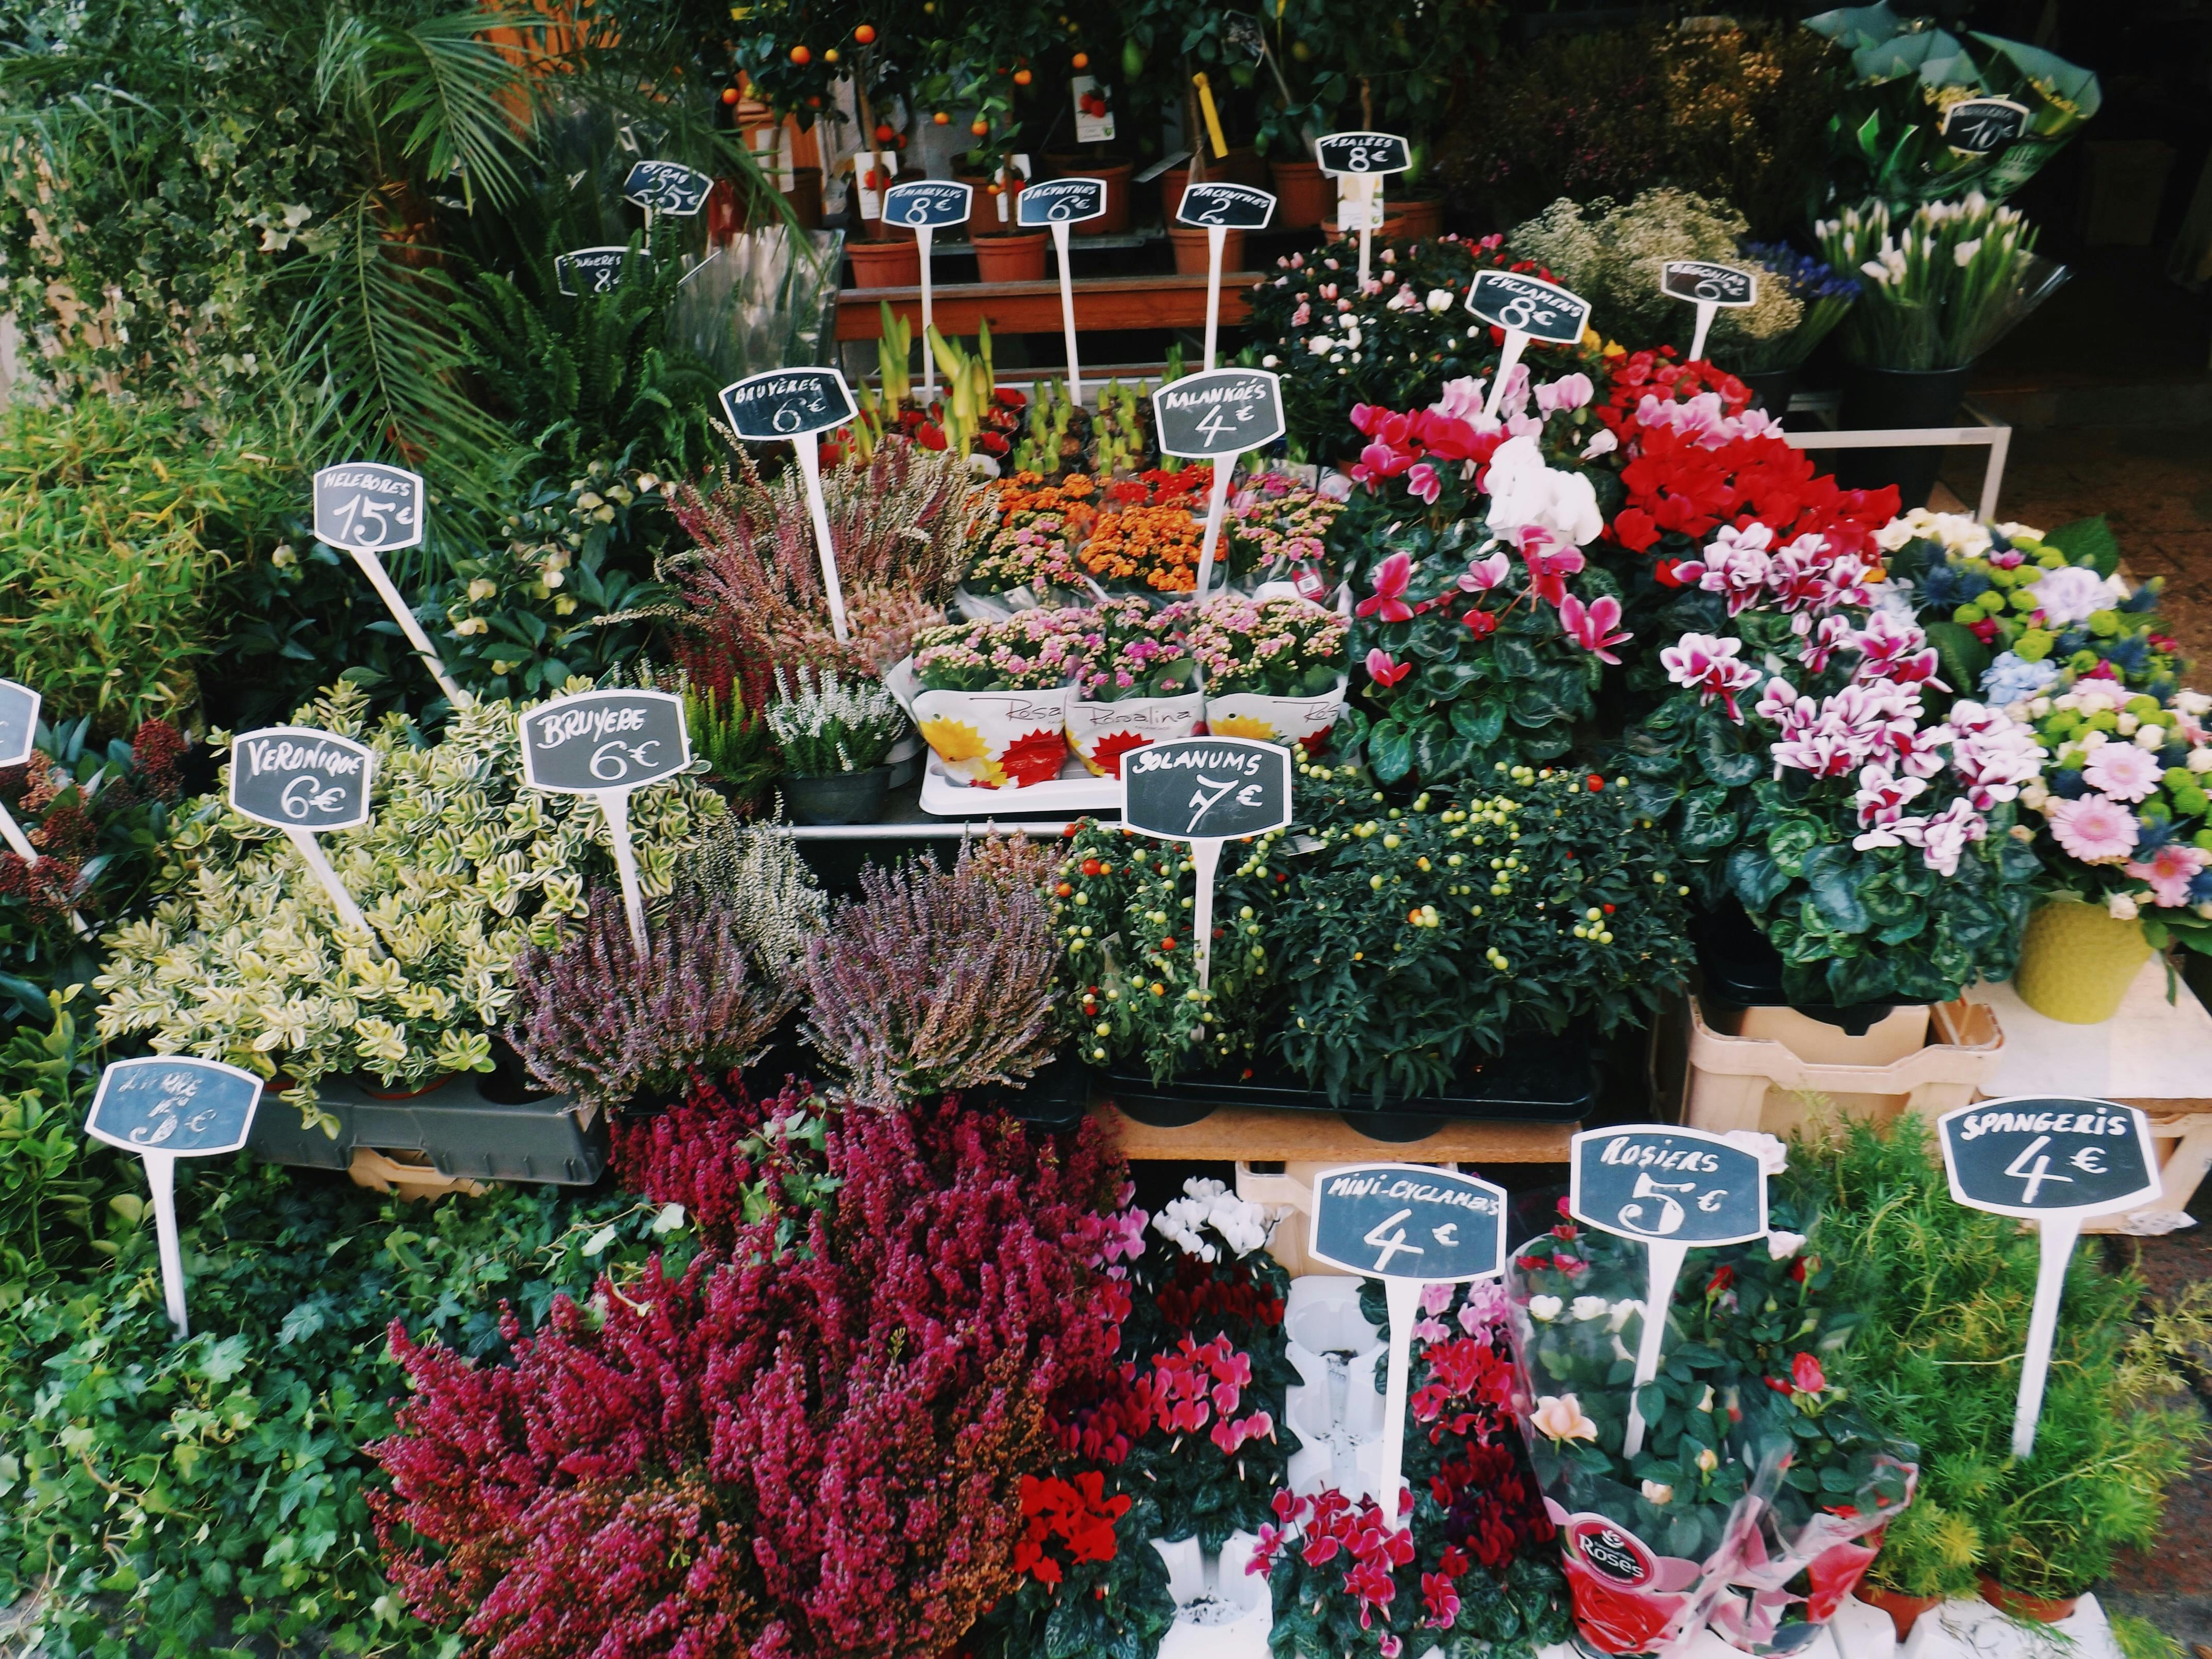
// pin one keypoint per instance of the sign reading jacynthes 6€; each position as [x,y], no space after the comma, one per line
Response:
[594,741]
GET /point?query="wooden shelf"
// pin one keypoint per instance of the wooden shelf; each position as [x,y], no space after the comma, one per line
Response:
[1256,1134]
[1102,304]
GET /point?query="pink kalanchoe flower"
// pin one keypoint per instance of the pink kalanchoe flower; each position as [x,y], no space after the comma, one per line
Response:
[1425,482]
[1389,581]
[1707,664]
[2094,829]
[1384,670]
[2169,871]
[1483,574]
[2123,771]
[1591,626]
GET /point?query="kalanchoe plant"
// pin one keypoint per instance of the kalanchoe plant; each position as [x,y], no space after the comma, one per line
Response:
[825,725]
[1276,530]
[1030,548]
[602,1022]
[457,869]
[1124,649]
[1148,538]
[935,980]
[1286,648]
[1028,651]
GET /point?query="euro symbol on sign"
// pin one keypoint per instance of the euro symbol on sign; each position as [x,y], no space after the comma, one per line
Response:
[1447,1234]
[2089,1160]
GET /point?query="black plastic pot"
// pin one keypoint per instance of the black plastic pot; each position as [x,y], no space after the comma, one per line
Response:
[1742,969]
[842,797]
[1056,1097]
[1873,398]
[462,1131]
[1771,388]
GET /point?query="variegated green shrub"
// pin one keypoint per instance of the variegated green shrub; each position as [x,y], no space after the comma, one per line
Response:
[245,958]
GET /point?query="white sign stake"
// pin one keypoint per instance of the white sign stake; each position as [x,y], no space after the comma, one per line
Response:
[1204,791]
[923,236]
[1527,308]
[164,1107]
[367,509]
[795,406]
[1067,310]
[1217,505]
[1221,208]
[1670,1189]
[922,205]
[1708,287]
[2056,1162]
[1359,161]
[1216,416]
[1216,237]
[1061,203]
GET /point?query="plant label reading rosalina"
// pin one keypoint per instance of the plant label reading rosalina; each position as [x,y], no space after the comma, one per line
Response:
[167,1102]
[1706,283]
[19,722]
[1979,126]
[297,778]
[591,270]
[785,403]
[1206,789]
[668,187]
[1407,1221]
[595,741]
[928,204]
[1682,1185]
[1060,201]
[2035,1156]
[1233,207]
[1224,411]
[1358,153]
[1529,305]
[365,506]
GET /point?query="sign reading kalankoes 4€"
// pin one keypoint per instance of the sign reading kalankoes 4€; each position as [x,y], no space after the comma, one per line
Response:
[1217,416]
[2054,1162]
[1527,308]
[1671,1189]
[796,406]
[605,744]
[1204,791]
[164,1107]
[367,509]
[1409,1226]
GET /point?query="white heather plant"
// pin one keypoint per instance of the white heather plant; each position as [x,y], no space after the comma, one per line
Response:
[460,867]
[826,725]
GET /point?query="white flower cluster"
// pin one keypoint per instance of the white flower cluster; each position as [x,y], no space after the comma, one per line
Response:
[1209,1205]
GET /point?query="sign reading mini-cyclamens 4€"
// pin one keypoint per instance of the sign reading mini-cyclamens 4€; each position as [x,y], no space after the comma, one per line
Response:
[2055,1161]
[605,744]
[1671,1189]
[1410,1227]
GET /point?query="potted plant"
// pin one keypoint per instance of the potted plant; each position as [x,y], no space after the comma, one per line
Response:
[1276,530]
[1769,365]
[1146,538]
[459,869]
[1274,668]
[833,735]
[1027,558]
[992,696]
[1135,682]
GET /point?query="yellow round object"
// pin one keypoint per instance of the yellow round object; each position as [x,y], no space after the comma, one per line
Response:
[2076,961]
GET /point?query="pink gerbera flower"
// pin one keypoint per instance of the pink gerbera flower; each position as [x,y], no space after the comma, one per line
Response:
[2122,771]
[2169,871]
[2092,828]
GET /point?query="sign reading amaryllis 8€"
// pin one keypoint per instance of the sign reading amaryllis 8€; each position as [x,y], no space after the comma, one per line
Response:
[1409,1226]
[1671,1189]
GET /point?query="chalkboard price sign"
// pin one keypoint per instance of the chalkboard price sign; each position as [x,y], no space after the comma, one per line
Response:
[1233,207]
[297,778]
[928,204]
[2035,1158]
[1061,202]
[1529,306]
[1407,1221]
[1979,125]
[1224,411]
[1363,152]
[591,270]
[19,722]
[786,402]
[1706,283]
[170,1103]
[1194,788]
[1682,1185]
[668,187]
[365,506]
[594,741]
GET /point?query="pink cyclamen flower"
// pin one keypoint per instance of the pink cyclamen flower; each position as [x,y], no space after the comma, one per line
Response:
[1707,664]
[1591,626]
[1566,394]
[1389,582]
[2170,871]
[1551,559]
[2123,771]
[1425,483]
[1943,838]
[1483,574]
[1383,669]
[2094,829]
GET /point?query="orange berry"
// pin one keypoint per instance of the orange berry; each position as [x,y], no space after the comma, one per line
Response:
[982,128]
[1081,60]
[729,95]
[1023,78]
[800,55]
[865,35]
[942,119]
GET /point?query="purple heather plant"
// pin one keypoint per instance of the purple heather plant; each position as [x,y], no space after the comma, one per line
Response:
[599,1022]
[933,981]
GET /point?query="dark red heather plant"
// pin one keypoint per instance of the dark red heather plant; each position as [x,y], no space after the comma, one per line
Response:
[797,1450]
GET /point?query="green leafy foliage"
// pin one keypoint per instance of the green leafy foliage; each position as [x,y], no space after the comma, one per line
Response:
[50,1176]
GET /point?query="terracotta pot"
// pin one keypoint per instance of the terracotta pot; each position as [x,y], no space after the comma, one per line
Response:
[1423,216]
[1242,166]
[1903,1610]
[1173,183]
[806,198]
[1303,194]
[1393,227]
[1190,252]
[2042,1609]
[1018,257]
[885,264]
[983,207]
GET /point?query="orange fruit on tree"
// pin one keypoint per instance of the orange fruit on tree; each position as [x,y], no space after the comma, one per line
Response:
[865,35]
[942,119]
[729,95]
[1023,78]
[800,55]
[1081,60]
[979,127]
[830,56]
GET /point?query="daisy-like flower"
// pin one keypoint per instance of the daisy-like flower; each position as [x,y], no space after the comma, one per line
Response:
[2092,828]
[2170,871]
[2122,771]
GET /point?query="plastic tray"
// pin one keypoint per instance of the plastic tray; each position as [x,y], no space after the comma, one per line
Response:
[463,1132]
[1074,793]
